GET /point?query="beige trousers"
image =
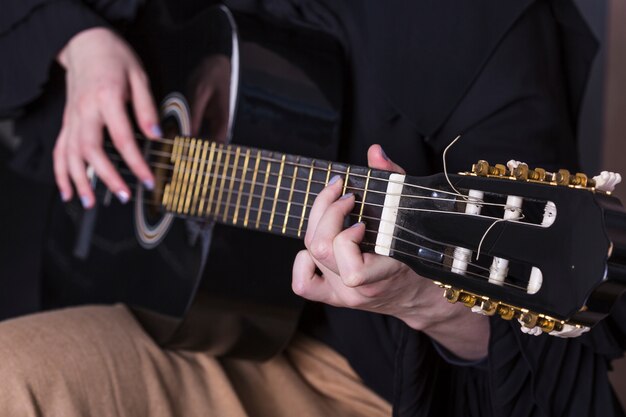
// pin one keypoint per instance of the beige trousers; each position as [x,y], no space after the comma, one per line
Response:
[97,361]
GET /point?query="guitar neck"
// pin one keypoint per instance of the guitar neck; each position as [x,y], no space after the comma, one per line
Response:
[264,190]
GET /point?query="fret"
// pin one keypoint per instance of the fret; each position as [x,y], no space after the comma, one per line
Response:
[279,179]
[216,170]
[233,174]
[169,188]
[293,183]
[367,182]
[330,168]
[267,174]
[254,175]
[194,167]
[243,180]
[345,181]
[306,197]
[196,193]
[218,204]
[180,185]
[207,175]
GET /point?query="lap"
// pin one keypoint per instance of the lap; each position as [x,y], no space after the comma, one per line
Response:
[97,360]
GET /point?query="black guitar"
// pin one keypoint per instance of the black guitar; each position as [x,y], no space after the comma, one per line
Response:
[501,239]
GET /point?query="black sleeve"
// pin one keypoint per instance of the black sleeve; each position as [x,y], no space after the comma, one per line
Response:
[32,32]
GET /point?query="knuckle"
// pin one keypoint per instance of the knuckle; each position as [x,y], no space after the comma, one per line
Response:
[321,249]
[353,279]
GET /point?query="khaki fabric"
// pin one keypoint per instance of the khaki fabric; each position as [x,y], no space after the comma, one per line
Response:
[97,361]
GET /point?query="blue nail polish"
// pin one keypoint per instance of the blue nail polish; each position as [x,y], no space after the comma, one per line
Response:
[85,201]
[156,131]
[345,196]
[357,224]
[122,196]
[65,197]
[149,184]
[334,179]
[384,155]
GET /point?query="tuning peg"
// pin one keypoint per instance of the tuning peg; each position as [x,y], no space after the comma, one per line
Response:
[607,181]
[483,169]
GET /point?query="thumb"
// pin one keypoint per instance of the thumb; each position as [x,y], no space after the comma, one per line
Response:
[377,159]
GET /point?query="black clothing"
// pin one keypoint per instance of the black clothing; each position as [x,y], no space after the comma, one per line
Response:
[502,74]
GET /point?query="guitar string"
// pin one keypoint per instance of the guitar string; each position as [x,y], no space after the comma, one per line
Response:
[263,225]
[219,167]
[229,149]
[295,230]
[313,194]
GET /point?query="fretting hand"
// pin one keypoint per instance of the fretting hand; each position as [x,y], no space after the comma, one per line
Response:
[371,282]
[102,74]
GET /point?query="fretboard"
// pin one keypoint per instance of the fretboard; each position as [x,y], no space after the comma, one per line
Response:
[264,190]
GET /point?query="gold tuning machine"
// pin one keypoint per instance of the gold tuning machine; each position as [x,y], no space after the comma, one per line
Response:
[489,307]
[522,172]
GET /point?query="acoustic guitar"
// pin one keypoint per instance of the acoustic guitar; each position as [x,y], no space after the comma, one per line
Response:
[545,248]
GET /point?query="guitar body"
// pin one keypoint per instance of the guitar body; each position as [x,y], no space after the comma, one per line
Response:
[194,284]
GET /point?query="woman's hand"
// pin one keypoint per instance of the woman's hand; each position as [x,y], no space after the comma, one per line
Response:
[371,282]
[102,74]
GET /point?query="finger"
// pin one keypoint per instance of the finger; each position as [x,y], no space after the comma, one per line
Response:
[78,173]
[329,226]
[122,137]
[107,173]
[307,283]
[61,174]
[143,104]
[377,159]
[356,268]
[324,199]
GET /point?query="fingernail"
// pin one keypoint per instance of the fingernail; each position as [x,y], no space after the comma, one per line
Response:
[156,131]
[65,197]
[149,184]
[345,196]
[384,155]
[122,196]
[85,201]
[356,224]
[334,179]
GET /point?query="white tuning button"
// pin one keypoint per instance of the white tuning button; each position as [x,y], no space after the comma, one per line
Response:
[462,256]
[500,266]
[607,181]
[513,164]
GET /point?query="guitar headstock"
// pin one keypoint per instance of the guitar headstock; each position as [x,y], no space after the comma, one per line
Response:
[523,243]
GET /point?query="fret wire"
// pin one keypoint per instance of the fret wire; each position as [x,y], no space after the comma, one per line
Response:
[367,181]
[280,177]
[220,148]
[329,169]
[345,181]
[241,183]
[252,185]
[267,173]
[183,191]
[232,182]
[306,197]
[196,193]
[194,168]
[293,183]
[181,181]
[222,182]
[205,183]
